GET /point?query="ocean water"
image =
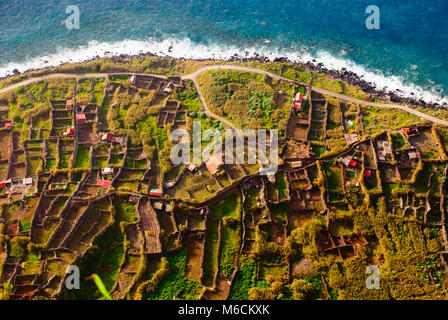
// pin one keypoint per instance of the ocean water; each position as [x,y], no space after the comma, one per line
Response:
[408,53]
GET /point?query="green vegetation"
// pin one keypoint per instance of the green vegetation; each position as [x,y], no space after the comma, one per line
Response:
[248,100]
[309,235]
[175,285]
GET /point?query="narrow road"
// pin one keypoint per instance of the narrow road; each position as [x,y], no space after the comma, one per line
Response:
[52,76]
[207,110]
[193,76]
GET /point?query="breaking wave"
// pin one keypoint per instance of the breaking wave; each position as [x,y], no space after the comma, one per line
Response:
[185,48]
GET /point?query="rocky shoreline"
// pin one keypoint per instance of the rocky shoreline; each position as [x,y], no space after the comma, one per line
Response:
[343,75]
[352,79]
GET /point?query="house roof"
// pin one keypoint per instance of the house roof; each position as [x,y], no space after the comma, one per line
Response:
[108,137]
[299,96]
[409,130]
[81,118]
[345,160]
[214,163]
[296,164]
[107,170]
[350,138]
[297,106]
[367,173]
[155,192]
[104,183]
[158,205]
[353,163]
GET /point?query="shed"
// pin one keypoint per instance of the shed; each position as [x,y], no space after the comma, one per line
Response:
[81,118]
[68,105]
[155,192]
[214,163]
[106,184]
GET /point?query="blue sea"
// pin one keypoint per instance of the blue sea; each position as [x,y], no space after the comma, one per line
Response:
[409,52]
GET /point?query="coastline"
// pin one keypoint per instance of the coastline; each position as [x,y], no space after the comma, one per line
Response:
[347,76]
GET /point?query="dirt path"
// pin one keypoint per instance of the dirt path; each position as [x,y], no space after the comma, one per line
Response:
[52,76]
[193,76]
[207,110]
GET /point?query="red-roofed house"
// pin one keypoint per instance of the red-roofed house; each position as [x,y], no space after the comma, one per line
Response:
[69,132]
[8,124]
[104,183]
[367,173]
[297,106]
[68,105]
[81,118]
[155,192]
[353,163]
[409,131]
[109,137]
[214,163]
[298,102]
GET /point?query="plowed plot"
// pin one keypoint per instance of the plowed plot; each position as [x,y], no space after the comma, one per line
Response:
[4,142]
[426,144]
[3,174]
[17,171]
[297,127]
[134,238]
[86,135]
[194,249]
[234,172]
[18,156]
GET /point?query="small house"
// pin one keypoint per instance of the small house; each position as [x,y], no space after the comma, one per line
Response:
[107,170]
[296,164]
[409,132]
[155,192]
[158,205]
[168,88]
[297,107]
[345,160]
[367,173]
[168,207]
[299,97]
[69,132]
[351,138]
[108,137]
[28,181]
[353,163]
[191,167]
[81,118]
[106,184]
[412,154]
[68,105]
[214,164]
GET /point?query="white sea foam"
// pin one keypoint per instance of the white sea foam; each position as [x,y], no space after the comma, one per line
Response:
[185,48]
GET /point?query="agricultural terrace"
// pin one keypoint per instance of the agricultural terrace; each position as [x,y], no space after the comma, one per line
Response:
[86,179]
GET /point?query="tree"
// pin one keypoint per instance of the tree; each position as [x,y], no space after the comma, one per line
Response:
[301,289]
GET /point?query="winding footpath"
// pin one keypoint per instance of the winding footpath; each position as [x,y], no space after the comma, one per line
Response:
[194,75]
